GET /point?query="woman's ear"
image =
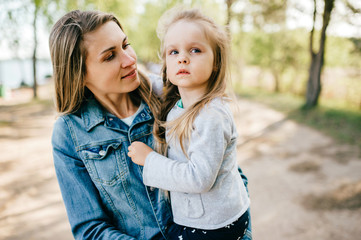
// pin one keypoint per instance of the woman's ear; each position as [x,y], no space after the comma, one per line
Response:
[84,81]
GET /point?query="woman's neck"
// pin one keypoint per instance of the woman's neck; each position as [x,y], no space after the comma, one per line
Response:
[120,105]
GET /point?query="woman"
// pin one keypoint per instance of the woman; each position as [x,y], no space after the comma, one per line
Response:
[105,104]
[97,84]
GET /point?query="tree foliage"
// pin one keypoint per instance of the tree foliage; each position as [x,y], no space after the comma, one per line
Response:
[258,28]
[16,13]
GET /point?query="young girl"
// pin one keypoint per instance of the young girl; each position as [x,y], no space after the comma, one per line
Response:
[197,132]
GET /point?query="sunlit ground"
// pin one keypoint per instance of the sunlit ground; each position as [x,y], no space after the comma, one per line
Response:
[303,185]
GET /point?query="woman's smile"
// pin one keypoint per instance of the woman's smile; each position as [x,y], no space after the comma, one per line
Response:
[131,74]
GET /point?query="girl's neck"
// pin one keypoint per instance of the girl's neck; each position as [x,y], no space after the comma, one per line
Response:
[119,105]
[189,97]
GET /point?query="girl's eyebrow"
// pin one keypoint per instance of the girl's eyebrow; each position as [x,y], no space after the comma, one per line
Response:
[169,46]
[195,43]
[112,47]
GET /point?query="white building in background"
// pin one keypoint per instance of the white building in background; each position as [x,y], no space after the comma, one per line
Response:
[17,72]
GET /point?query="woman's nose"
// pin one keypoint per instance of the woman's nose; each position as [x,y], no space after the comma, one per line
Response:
[127,60]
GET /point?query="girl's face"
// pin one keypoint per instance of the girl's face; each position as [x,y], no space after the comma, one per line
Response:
[110,63]
[189,56]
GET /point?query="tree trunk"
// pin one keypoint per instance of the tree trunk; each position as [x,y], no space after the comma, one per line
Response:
[314,81]
[276,78]
[317,59]
[229,11]
[35,85]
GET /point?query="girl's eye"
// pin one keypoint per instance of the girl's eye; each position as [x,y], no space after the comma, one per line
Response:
[109,57]
[195,50]
[173,52]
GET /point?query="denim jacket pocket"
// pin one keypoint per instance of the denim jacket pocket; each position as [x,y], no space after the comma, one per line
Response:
[101,162]
[194,205]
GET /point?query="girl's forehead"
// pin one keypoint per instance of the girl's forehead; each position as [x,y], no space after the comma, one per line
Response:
[185,24]
[186,30]
[182,27]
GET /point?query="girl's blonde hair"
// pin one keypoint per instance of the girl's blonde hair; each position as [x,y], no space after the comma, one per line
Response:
[219,40]
[68,57]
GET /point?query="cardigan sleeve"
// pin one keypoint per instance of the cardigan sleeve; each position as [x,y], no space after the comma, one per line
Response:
[209,139]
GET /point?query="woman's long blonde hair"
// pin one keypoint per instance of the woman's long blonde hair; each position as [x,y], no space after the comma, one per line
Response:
[68,57]
[219,41]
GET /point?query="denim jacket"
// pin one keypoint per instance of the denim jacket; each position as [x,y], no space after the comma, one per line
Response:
[102,188]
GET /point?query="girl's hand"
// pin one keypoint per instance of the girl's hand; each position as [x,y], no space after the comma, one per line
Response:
[138,152]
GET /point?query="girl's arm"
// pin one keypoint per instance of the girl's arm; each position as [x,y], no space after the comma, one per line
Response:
[213,132]
[138,152]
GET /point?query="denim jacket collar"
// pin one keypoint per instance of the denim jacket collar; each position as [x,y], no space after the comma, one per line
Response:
[93,113]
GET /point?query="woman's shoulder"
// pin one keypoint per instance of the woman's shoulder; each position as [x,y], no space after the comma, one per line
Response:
[61,122]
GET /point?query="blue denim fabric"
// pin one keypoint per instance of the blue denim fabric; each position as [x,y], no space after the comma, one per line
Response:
[102,188]
[248,233]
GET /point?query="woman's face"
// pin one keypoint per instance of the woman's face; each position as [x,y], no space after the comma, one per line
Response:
[111,62]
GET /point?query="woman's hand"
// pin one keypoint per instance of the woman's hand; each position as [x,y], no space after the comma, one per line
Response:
[138,152]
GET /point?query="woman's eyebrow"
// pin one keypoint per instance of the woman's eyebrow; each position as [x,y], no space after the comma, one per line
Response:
[108,49]
[113,47]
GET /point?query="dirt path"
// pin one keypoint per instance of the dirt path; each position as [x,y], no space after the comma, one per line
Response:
[30,200]
[302,184]
[294,173]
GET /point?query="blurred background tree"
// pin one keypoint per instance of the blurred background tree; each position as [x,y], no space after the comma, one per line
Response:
[267,51]
[317,57]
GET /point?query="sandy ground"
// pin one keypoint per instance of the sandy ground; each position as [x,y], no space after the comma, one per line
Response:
[302,184]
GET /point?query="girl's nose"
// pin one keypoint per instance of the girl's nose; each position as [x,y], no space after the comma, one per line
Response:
[183,60]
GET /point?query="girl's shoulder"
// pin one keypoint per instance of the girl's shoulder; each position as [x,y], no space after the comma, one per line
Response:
[217,105]
[217,109]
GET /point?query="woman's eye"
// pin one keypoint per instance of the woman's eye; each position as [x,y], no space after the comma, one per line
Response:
[195,50]
[110,57]
[126,45]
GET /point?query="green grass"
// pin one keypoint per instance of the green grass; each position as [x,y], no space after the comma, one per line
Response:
[4,123]
[43,102]
[335,120]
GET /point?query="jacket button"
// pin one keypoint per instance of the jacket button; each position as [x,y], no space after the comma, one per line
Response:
[102,152]
[151,189]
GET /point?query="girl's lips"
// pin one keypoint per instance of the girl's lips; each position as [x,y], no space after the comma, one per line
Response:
[130,74]
[182,71]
